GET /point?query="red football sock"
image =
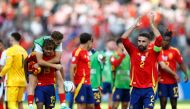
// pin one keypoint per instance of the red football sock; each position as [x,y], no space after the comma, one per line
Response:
[97,106]
[62,98]
[30,99]
[1,105]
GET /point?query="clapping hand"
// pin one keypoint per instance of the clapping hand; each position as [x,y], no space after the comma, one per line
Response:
[186,79]
[137,22]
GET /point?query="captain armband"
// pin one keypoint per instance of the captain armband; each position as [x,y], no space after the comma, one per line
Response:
[157,49]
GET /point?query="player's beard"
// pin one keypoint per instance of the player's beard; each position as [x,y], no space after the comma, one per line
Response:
[142,48]
[166,47]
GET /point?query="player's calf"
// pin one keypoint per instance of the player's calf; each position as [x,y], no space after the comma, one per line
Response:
[115,105]
[90,106]
[173,102]
[40,106]
[61,91]
[30,88]
[124,105]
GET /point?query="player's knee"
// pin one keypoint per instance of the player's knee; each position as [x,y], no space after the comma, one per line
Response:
[90,106]
[32,77]
[60,84]
[33,84]
[32,80]
[124,105]
[59,78]
[114,106]
[40,106]
[31,88]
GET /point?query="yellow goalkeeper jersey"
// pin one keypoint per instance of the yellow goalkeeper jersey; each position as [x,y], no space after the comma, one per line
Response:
[14,66]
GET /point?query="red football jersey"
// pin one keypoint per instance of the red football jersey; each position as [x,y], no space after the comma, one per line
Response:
[31,60]
[151,45]
[170,56]
[47,74]
[80,57]
[143,73]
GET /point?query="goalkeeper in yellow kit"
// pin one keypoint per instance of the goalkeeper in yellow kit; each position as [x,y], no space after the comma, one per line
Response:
[14,68]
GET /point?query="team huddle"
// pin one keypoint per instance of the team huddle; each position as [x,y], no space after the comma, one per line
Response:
[131,75]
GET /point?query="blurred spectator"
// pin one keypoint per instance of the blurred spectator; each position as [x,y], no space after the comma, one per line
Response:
[105,19]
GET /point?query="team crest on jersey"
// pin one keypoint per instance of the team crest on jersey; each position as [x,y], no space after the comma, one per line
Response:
[142,61]
[165,58]
[170,55]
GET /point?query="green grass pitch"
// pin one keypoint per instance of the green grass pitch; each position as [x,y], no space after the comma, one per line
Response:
[180,105]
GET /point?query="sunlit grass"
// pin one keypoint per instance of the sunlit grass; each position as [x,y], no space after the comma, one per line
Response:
[181,105]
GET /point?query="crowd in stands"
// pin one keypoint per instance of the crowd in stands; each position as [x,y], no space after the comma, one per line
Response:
[105,19]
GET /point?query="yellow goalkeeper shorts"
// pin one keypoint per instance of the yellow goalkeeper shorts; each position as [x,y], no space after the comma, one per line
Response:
[15,93]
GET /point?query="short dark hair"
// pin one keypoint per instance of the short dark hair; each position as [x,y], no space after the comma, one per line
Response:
[118,41]
[168,33]
[57,35]
[85,37]
[147,35]
[16,36]
[49,42]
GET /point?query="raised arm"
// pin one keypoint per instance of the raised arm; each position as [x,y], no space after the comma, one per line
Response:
[158,37]
[131,29]
[152,25]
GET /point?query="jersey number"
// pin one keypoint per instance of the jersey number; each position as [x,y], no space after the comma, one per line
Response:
[52,98]
[152,98]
